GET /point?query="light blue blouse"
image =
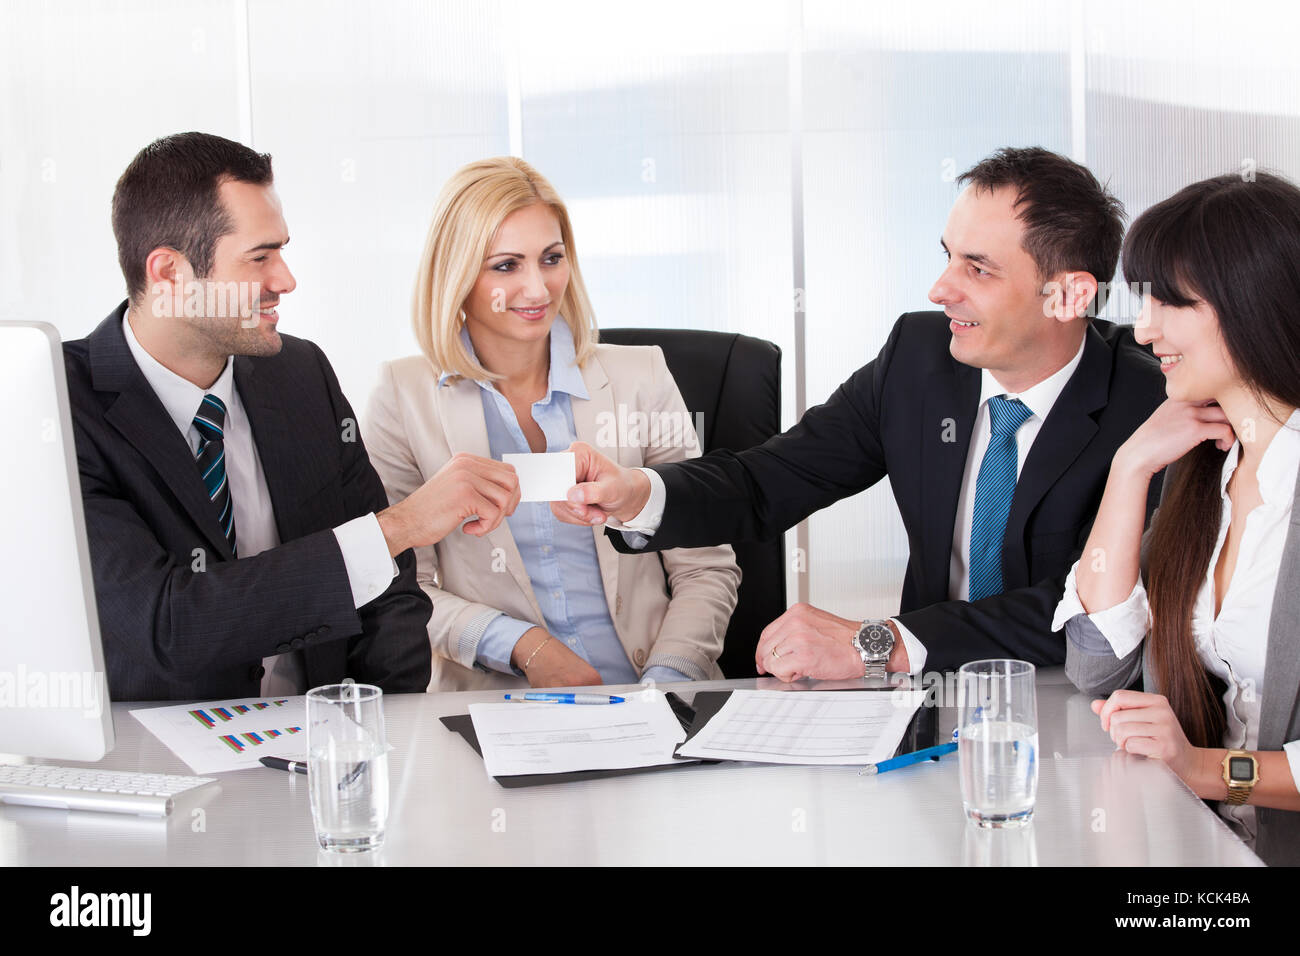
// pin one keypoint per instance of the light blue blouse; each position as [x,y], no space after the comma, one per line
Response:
[560,558]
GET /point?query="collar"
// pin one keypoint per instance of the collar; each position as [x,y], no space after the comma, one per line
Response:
[564,376]
[1038,398]
[180,397]
[1277,469]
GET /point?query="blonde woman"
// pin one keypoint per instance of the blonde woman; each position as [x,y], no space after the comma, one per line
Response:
[511,364]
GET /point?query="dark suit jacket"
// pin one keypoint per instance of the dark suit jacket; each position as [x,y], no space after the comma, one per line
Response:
[174,633]
[908,415]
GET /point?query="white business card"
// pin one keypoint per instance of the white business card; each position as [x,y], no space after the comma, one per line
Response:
[545,477]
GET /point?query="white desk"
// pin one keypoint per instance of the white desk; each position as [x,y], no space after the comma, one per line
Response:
[1094,807]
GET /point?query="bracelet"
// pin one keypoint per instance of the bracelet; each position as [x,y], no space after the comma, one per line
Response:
[535,651]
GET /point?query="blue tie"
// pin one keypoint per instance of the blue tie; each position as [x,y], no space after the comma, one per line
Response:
[994,489]
[210,420]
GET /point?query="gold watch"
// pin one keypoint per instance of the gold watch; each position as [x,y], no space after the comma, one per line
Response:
[1240,773]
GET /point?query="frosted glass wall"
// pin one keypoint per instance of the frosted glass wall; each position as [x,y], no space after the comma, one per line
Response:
[895,106]
[368,109]
[86,84]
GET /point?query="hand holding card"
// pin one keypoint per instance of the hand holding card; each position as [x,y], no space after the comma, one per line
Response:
[546,477]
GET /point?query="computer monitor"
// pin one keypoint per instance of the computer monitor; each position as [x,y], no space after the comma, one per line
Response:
[53,688]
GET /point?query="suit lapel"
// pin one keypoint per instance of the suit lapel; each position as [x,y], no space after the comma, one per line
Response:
[588,414]
[138,414]
[1277,705]
[460,410]
[1066,432]
[951,410]
[288,479]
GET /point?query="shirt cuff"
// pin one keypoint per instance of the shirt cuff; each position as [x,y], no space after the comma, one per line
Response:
[1124,626]
[498,641]
[1292,751]
[660,674]
[916,652]
[369,566]
[649,518]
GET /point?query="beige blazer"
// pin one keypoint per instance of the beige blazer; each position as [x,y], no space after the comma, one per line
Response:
[669,608]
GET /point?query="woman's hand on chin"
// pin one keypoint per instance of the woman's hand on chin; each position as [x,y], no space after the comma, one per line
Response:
[1173,429]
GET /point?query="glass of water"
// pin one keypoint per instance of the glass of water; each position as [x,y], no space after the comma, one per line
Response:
[997,742]
[347,766]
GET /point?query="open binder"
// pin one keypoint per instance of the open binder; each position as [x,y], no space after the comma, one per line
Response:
[693,719]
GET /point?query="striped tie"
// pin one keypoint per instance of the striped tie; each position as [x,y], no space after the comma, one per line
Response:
[994,489]
[210,420]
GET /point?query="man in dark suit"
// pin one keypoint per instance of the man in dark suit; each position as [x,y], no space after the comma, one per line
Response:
[240,539]
[995,422]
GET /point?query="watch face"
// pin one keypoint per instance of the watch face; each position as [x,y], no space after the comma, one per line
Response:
[1241,769]
[875,640]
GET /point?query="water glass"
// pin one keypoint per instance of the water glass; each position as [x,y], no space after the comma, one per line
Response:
[997,743]
[347,766]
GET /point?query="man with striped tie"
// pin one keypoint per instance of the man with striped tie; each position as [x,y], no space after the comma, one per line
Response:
[994,420]
[242,543]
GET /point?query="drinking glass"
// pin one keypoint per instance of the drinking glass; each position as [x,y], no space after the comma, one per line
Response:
[347,766]
[997,742]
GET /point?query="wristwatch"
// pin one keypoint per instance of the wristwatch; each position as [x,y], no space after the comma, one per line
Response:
[1240,773]
[875,642]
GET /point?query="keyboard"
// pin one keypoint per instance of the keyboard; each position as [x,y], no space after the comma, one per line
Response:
[111,791]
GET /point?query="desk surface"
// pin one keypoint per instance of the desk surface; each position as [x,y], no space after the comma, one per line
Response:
[1094,807]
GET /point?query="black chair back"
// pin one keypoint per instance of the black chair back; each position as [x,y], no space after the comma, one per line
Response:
[731,384]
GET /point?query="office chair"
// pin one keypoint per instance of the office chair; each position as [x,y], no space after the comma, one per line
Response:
[735,382]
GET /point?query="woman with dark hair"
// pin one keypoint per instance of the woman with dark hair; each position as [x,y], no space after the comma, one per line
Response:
[1205,607]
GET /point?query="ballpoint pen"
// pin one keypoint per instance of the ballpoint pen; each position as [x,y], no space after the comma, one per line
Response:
[906,760]
[566,698]
[279,763]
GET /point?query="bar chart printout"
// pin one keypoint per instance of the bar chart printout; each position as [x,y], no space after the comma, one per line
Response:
[832,727]
[229,734]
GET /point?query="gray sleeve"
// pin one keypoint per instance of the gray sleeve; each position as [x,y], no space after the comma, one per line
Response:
[1089,662]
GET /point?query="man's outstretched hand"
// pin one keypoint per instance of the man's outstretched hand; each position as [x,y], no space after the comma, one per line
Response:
[604,490]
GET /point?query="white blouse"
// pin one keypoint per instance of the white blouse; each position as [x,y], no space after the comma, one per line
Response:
[1233,645]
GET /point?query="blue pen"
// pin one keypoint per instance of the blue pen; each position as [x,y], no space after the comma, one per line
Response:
[906,760]
[567,698]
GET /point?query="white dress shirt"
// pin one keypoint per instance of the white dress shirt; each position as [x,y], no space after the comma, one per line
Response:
[1232,646]
[1039,399]
[369,567]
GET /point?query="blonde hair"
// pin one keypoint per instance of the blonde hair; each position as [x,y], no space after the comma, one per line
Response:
[469,211]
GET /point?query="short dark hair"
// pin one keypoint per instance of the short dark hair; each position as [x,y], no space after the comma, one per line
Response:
[1071,220]
[169,196]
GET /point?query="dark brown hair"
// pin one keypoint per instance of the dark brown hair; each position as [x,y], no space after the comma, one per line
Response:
[1071,221]
[1235,244]
[169,196]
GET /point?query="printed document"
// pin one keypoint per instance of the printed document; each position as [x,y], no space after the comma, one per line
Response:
[230,734]
[561,738]
[813,727]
